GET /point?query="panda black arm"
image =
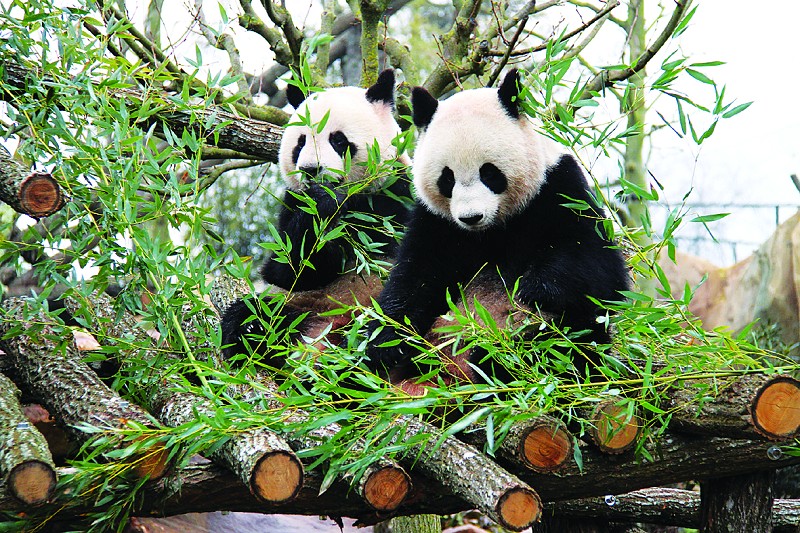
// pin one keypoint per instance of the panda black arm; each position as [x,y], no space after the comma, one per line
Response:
[433,259]
[298,226]
[572,258]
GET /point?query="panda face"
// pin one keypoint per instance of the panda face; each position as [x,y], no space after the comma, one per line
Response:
[476,162]
[353,121]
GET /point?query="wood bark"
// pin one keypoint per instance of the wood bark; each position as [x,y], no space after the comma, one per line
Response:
[662,506]
[57,378]
[384,485]
[35,194]
[746,406]
[467,473]
[737,503]
[260,458]
[675,457]
[26,465]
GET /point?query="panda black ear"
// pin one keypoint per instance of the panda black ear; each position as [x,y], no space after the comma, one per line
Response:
[423,106]
[383,90]
[508,93]
[294,95]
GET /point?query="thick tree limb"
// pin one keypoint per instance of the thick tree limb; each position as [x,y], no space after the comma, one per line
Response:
[251,137]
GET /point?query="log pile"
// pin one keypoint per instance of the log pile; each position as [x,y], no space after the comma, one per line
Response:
[737,432]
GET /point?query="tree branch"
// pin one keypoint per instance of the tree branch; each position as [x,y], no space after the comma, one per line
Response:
[608,77]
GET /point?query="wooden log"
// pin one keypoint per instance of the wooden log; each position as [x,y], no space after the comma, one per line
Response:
[34,194]
[543,444]
[674,457]
[223,129]
[26,466]
[662,506]
[746,406]
[210,487]
[384,485]
[612,429]
[775,409]
[463,470]
[259,457]
[737,503]
[57,378]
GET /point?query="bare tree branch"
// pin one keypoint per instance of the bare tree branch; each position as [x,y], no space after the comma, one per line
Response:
[607,77]
[538,48]
[224,41]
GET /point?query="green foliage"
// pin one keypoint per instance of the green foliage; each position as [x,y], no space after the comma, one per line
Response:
[125,171]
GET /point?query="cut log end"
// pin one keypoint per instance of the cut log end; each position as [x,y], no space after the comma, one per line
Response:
[32,482]
[776,408]
[40,195]
[386,488]
[153,463]
[278,477]
[612,431]
[546,447]
[519,508]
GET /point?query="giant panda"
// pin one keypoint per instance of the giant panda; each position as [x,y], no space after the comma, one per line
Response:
[490,213]
[327,129]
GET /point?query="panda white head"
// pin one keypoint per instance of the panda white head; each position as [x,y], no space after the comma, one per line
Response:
[478,161]
[356,118]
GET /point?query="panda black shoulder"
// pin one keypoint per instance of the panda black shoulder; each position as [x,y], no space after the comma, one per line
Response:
[565,181]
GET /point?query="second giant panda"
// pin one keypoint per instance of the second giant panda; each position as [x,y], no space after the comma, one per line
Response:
[491,213]
[328,129]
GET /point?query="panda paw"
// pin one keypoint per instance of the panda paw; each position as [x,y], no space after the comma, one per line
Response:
[235,326]
[382,357]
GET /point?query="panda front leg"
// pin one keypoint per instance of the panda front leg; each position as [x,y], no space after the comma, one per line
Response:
[291,271]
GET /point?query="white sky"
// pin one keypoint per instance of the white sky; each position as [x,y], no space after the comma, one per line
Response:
[750,157]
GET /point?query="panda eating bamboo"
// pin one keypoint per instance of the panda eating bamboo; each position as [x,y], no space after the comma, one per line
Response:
[490,214]
[324,151]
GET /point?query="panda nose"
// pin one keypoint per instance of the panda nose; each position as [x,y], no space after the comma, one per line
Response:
[471,220]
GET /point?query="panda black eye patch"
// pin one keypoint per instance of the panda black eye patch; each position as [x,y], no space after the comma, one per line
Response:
[493,178]
[340,144]
[446,182]
[301,141]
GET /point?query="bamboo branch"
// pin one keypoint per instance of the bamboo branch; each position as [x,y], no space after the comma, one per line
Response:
[224,41]
[607,78]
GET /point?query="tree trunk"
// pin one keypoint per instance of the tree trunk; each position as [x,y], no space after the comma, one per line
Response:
[736,504]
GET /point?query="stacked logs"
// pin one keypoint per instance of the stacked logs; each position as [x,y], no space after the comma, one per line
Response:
[735,426]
